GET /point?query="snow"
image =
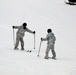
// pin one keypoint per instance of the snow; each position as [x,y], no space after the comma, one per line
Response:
[39,15]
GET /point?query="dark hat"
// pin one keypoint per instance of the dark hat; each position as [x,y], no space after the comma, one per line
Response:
[49,30]
[24,24]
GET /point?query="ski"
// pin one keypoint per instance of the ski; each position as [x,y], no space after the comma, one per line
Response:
[52,58]
[23,50]
[29,50]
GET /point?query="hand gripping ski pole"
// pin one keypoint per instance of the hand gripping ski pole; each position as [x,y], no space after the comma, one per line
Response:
[39,48]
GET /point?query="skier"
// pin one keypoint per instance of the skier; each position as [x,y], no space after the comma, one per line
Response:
[50,38]
[72,1]
[20,34]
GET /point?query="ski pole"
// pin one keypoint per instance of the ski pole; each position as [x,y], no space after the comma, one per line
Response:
[13,37]
[34,41]
[39,48]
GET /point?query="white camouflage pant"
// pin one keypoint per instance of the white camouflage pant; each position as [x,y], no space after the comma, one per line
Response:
[50,47]
[19,39]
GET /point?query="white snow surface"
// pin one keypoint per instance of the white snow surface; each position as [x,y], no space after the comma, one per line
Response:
[39,16]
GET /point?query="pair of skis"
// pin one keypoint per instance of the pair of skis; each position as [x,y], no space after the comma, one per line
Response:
[24,50]
[52,58]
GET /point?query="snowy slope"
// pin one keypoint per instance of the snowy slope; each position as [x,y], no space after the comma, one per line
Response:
[39,15]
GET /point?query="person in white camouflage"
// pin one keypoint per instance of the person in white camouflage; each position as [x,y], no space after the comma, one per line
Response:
[50,38]
[20,34]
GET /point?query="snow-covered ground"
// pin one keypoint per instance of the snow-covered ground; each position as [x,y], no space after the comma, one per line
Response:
[39,15]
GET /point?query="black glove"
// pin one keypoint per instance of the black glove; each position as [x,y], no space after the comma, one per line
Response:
[34,32]
[41,39]
[13,26]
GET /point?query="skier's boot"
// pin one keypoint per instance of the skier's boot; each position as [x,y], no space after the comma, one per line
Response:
[15,48]
[54,57]
[46,57]
[22,48]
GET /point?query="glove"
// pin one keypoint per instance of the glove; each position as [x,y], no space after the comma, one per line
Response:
[41,39]
[34,32]
[13,26]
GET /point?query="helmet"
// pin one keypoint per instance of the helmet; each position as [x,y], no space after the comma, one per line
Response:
[49,30]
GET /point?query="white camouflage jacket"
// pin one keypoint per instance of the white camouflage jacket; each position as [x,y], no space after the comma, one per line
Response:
[21,31]
[50,38]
